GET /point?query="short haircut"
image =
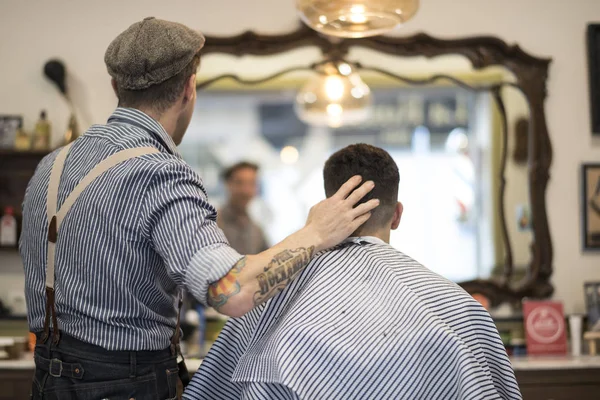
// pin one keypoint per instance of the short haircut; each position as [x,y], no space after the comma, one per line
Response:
[228,172]
[162,96]
[372,163]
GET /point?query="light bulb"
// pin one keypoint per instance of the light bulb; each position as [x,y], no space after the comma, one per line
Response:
[334,97]
[344,69]
[357,9]
[334,110]
[358,18]
[357,92]
[334,87]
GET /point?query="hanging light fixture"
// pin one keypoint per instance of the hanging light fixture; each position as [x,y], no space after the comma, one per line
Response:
[336,96]
[356,18]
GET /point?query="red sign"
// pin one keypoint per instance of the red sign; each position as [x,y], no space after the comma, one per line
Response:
[545,327]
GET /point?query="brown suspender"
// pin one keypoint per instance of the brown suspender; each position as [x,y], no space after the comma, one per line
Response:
[55,218]
[184,376]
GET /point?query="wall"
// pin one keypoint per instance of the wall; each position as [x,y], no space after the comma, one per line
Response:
[79,31]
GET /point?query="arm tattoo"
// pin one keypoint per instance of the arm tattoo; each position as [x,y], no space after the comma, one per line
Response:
[228,286]
[284,267]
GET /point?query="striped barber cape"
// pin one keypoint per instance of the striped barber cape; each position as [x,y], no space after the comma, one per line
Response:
[362,321]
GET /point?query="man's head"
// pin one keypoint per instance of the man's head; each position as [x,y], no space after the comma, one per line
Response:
[153,65]
[242,184]
[375,164]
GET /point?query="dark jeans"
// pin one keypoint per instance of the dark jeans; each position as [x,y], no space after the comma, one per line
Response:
[77,370]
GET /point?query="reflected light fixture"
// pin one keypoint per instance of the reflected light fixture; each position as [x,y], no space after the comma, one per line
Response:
[356,18]
[335,96]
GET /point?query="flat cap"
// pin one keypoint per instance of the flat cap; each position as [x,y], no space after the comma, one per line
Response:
[150,52]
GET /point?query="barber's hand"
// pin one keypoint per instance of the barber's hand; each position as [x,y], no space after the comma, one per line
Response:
[334,219]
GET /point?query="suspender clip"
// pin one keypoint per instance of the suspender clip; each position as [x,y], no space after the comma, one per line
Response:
[52,231]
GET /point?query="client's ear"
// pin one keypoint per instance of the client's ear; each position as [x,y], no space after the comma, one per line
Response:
[397,215]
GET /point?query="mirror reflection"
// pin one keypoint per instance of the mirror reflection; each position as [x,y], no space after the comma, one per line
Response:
[447,141]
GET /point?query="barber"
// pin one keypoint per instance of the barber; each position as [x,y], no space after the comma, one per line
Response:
[117,223]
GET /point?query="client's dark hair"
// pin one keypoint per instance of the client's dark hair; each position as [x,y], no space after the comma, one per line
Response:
[372,163]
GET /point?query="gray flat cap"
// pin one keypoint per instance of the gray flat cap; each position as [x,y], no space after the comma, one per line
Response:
[150,52]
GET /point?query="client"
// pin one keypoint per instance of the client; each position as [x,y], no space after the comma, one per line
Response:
[362,321]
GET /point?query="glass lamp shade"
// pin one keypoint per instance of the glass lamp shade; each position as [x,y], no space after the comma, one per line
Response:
[336,96]
[356,18]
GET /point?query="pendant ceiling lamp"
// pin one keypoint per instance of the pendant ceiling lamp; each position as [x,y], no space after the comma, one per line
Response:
[356,18]
[335,96]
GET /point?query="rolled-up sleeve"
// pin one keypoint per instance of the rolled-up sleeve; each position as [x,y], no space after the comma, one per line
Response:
[181,226]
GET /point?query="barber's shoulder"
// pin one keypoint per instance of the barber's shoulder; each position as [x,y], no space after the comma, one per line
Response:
[48,159]
[45,165]
[168,168]
[41,175]
[165,162]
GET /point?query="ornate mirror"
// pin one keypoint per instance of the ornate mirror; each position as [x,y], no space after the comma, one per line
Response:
[463,118]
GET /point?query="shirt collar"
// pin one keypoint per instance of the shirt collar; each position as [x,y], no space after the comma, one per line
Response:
[364,239]
[142,120]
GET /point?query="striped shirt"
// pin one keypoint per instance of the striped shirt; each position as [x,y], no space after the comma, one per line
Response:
[136,235]
[362,321]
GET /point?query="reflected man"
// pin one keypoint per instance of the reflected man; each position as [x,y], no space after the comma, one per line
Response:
[244,235]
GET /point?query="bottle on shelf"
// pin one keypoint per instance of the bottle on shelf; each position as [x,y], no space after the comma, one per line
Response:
[42,133]
[22,140]
[8,228]
[72,130]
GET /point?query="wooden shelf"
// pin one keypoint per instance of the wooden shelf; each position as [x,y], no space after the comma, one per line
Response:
[28,153]
[16,169]
[9,249]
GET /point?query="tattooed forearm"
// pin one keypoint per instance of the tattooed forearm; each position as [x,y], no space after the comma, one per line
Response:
[221,291]
[284,267]
[280,271]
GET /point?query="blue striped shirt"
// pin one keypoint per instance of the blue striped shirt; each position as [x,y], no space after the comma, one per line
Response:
[362,321]
[136,235]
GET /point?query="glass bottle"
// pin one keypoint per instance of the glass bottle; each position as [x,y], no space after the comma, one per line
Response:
[41,135]
[8,228]
[22,140]
[72,130]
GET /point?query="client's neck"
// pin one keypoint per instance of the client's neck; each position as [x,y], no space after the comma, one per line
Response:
[382,233]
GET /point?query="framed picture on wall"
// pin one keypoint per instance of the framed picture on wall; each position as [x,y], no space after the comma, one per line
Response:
[9,125]
[593,47]
[590,198]
[592,304]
